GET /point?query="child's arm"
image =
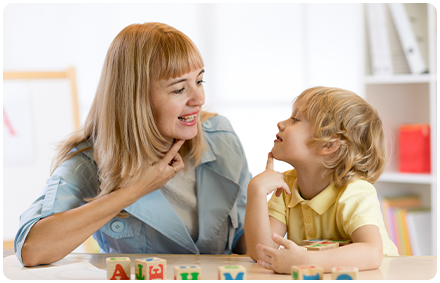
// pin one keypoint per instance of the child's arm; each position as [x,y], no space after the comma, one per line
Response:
[366,252]
[258,226]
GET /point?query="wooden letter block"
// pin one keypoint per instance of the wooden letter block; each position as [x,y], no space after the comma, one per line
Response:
[342,242]
[232,272]
[307,272]
[187,272]
[311,241]
[150,269]
[345,273]
[321,246]
[118,268]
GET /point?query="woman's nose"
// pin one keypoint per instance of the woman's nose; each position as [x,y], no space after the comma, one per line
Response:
[197,97]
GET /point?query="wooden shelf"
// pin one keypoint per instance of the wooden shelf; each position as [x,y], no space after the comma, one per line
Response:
[396,177]
[399,79]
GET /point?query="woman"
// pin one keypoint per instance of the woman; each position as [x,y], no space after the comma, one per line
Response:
[120,176]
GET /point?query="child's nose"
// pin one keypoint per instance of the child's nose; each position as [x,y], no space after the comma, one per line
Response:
[280,125]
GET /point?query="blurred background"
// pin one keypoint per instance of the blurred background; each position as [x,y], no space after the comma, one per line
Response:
[258,58]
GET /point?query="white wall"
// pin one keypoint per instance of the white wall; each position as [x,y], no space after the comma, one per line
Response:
[258,57]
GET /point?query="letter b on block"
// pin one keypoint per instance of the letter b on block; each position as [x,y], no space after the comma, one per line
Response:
[345,273]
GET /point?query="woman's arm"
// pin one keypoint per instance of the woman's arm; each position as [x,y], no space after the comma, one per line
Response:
[53,237]
[258,225]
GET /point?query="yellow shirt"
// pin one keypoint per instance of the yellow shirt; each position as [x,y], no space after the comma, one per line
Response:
[332,214]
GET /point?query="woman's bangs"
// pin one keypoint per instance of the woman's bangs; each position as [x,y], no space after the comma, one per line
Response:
[175,60]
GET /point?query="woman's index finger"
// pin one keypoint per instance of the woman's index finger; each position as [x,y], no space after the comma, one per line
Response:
[172,151]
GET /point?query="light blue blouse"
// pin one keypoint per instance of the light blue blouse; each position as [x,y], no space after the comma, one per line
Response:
[153,226]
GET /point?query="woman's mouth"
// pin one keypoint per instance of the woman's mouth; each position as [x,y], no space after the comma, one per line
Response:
[188,118]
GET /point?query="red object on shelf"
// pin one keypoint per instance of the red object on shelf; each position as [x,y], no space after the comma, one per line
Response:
[415,148]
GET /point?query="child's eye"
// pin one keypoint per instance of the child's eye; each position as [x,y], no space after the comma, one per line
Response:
[294,119]
[179,91]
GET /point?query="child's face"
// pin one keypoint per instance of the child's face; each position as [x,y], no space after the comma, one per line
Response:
[291,143]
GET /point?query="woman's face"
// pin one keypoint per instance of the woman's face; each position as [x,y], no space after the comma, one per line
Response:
[176,103]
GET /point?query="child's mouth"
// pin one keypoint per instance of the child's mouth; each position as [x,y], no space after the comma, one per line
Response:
[278,139]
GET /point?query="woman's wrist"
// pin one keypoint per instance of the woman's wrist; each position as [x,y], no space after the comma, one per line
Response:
[128,195]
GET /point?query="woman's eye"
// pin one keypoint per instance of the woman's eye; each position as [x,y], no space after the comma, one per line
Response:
[179,91]
[294,119]
[200,82]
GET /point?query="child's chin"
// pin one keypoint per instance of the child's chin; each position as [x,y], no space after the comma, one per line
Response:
[274,154]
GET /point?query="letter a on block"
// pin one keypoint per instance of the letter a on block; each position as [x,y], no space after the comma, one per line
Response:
[119,273]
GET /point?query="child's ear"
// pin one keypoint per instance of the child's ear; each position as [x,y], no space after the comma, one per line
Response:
[330,147]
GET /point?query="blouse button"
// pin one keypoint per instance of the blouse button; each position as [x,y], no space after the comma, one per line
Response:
[311,235]
[308,219]
[117,226]
[207,124]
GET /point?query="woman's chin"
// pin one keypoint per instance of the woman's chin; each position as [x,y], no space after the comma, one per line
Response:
[186,136]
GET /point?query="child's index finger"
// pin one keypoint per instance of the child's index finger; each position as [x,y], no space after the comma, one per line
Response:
[269,164]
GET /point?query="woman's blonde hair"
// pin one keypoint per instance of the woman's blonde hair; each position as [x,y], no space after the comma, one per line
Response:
[341,116]
[120,123]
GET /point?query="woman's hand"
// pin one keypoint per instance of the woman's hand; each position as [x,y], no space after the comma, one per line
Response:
[281,261]
[158,174]
[270,180]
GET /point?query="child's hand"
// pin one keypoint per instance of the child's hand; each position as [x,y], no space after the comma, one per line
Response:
[270,180]
[281,261]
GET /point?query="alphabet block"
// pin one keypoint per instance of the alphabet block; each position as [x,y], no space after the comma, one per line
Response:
[307,272]
[118,268]
[187,272]
[320,241]
[345,273]
[311,241]
[150,269]
[232,272]
[321,246]
[341,242]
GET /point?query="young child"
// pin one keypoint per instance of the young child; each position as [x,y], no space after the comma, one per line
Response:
[335,142]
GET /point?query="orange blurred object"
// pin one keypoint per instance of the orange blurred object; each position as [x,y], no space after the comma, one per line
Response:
[415,148]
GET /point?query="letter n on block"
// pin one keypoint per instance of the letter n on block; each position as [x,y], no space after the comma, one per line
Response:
[232,272]
[152,268]
[187,272]
[118,268]
[307,272]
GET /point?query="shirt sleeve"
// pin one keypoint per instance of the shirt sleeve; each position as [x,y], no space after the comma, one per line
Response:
[358,206]
[277,207]
[69,185]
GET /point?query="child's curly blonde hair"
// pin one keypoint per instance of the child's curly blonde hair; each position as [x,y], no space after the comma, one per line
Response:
[341,116]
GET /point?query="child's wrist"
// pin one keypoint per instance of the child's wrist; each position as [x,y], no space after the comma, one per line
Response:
[256,191]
